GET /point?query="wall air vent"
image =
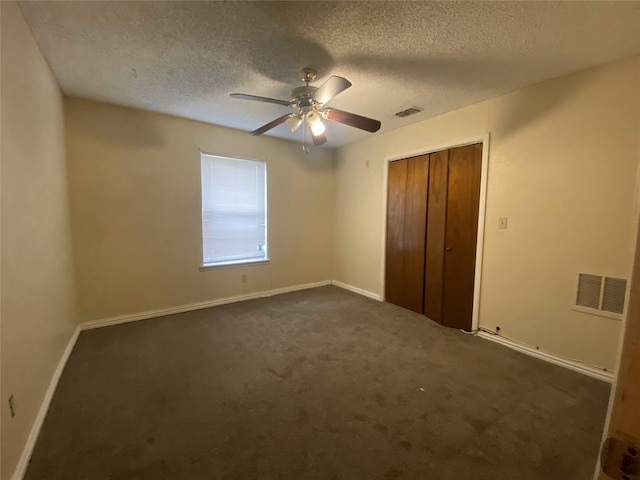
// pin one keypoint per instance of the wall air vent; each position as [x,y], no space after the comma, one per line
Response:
[589,287]
[601,295]
[408,111]
[613,294]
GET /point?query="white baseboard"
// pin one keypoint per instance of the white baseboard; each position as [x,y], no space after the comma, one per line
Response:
[551,358]
[133,317]
[23,462]
[359,291]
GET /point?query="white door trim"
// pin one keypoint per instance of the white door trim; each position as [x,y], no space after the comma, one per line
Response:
[481,138]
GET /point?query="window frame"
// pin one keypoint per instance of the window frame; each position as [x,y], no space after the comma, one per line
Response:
[240,262]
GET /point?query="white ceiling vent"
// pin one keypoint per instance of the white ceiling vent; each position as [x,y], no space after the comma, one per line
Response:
[601,295]
[408,111]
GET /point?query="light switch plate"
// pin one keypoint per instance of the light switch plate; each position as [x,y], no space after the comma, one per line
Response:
[502,223]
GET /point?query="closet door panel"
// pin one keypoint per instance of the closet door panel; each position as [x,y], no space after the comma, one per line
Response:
[465,165]
[435,235]
[397,184]
[415,221]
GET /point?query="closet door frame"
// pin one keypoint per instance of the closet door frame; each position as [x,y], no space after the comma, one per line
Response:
[484,139]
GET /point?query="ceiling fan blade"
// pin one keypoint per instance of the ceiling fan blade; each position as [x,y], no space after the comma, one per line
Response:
[330,89]
[244,96]
[273,123]
[351,119]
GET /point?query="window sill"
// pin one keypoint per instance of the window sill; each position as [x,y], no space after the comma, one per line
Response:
[243,263]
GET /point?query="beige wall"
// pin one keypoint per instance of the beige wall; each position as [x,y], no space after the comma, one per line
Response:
[38,302]
[562,168]
[135,197]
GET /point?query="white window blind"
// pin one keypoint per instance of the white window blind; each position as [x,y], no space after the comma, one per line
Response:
[234,215]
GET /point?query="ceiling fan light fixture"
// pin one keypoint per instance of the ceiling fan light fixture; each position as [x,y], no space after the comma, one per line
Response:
[318,128]
[315,124]
[294,122]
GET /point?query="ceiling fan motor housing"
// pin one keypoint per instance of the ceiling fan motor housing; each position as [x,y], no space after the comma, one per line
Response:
[301,96]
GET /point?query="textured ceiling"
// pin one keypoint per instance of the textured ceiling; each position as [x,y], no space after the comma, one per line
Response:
[185,58]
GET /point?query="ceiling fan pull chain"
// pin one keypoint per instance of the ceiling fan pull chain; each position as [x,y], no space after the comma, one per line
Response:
[305,149]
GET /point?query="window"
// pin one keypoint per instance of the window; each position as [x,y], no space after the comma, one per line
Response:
[234,215]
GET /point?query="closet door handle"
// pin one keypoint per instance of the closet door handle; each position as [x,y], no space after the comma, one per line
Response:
[448,249]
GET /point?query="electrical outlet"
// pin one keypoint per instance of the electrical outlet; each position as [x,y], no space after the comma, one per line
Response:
[12,406]
[243,278]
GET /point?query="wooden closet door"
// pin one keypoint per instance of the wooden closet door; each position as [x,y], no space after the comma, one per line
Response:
[406,229]
[415,223]
[436,229]
[463,203]
[396,200]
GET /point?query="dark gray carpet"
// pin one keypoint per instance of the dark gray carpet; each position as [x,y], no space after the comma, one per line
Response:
[318,384]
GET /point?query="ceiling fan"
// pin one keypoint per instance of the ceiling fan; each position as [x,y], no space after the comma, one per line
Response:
[309,103]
